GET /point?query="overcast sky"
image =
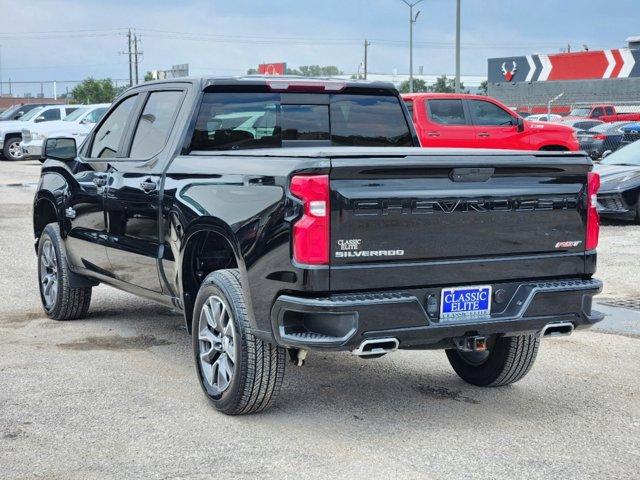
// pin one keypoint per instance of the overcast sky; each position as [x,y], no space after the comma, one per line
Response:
[299,32]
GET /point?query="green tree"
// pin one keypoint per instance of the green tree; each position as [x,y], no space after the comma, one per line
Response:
[419,86]
[96,91]
[446,85]
[482,89]
[148,76]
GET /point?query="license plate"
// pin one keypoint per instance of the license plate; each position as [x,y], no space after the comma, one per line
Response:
[461,303]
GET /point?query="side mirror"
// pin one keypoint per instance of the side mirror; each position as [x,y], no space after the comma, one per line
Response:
[40,119]
[606,153]
[520,124]
[63,149]
[18,114]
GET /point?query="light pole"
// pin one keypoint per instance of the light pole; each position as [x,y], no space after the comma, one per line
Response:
[457,46]
[412,20]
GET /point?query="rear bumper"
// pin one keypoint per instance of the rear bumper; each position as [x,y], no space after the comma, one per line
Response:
[342,322]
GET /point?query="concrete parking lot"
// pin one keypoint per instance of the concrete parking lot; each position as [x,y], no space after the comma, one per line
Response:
[116,395]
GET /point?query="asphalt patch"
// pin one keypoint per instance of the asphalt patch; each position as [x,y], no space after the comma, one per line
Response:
[444,393]
[115,342]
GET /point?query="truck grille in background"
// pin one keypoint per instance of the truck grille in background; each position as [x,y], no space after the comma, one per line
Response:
[611,203]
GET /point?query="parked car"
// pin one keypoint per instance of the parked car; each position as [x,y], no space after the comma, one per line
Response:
[476,121]
[320,227]
[605,137]
[544,117]
[606,113]
[76,125]
[620,191]
[630,133]
[16,111]
[581,124]
[11,131]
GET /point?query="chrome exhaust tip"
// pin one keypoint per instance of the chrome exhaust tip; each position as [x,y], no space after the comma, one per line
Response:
[557,329]
[376,346]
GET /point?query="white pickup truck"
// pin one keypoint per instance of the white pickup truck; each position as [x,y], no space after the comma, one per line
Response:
[76,125]
[11,131]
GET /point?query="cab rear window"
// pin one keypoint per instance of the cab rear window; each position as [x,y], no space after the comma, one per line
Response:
[245,120]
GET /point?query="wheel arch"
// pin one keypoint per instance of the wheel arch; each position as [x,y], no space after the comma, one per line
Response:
[207,246]
[7,136]
[45,211]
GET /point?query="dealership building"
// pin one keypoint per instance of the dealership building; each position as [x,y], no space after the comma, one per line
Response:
[606,76]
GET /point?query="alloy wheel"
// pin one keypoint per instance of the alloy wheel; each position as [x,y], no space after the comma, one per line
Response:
[217,341]
[49,274]
[15,151]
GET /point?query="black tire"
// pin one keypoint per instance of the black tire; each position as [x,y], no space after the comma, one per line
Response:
[258,367]
[66,303]
[638,210]
[509,360]
[9,146]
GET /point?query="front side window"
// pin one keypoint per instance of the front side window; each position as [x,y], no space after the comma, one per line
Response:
[609,111]
[107,138]
[31,114]
[70,110]
[75,115]
[155,124]
[447,112]
[95,115]
[597,112]
[48,115]
[489,114]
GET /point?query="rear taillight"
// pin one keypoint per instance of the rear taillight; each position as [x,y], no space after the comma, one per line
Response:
[600,136]
[593,219]
[311,231]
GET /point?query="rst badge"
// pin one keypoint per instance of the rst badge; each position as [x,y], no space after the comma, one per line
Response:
[461,303]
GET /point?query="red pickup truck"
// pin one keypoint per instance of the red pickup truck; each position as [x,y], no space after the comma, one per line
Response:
[606,113]
[477,121]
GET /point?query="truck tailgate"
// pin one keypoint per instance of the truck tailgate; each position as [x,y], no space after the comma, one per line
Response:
[443,219]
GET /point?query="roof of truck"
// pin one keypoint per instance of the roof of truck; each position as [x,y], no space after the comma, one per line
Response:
[335,84]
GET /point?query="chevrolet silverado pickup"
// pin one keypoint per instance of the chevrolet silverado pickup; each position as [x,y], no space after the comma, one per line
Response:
[283,216]
[478,121]
[605,113]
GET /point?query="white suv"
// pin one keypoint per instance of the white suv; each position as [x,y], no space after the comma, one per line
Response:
[76,125]
[11,131]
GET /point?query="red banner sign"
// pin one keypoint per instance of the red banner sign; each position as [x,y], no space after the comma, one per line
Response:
[272,68]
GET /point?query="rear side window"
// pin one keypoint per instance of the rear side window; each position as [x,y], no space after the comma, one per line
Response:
[230,121]
[70,110]
[107,138]
[597,112]
[447,112]
[155,124]
[489,114]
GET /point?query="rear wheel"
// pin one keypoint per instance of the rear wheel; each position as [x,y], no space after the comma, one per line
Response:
[59,300]
[509,360]
[12,149]
[238,372]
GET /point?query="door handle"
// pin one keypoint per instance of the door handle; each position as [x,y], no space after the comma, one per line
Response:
[149,186]
[484,134]
[100,180]
[433,134]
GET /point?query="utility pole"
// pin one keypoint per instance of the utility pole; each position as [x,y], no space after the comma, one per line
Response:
[0,70]
[412,20]
[457,46]
[130,55]
[366,65]
[135,55]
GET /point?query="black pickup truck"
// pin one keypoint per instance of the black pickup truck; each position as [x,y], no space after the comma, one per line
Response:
[284,215]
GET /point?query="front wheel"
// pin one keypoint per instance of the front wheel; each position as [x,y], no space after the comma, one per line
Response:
[508,361]
[238,372]
[12,149]
[59,300]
